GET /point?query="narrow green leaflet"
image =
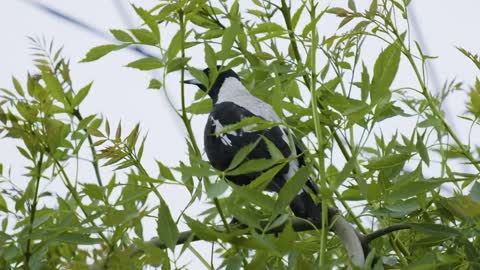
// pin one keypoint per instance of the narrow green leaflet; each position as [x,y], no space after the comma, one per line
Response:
[144,36]
[261,182]
[267,27]
[210,57]
[121,35]
[201,107]
[3,204]
[80,96]
[166,228]
[291,189]
[100,51]
[148,19]
[54,87]
[242,154]
[408,189]
[154,84]
[250,123]
[78,238]
[229,35]
[165,171]
[253,165]
[387,161]
[385,69]
[18,87]
[201,230]
[147,63]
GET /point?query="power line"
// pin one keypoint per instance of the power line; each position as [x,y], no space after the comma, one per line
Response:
[80,24]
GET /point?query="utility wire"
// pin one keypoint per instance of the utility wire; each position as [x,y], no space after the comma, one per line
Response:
[80,24]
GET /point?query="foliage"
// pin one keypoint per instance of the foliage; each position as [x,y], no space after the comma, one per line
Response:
[325,90]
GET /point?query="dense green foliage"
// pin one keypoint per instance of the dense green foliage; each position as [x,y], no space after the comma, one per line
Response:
[333,98]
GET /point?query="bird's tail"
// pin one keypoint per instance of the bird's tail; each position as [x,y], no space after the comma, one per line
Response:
[303,206]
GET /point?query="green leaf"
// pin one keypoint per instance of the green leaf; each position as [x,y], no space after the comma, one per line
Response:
[149,20]
[241,155]
[121,35]
[408,189]
[155,84]
[344,173]
[290,190]
[201,107]
[94,191]
[385,69]
[253,196]
[165,171]
[100,51]
[80,96]
[435,229]
[297,15]
[18,87]
[166,228]
[387,161]
[199,75]
[201,230]
[78,238]
[261,182]
[275,153]
[53,86]
[266,27]
[216,188]
[195,171]
[3,204]
[174,46]
[177,63]
[250,124]
[144,36]
[340,12]
[229,35]
[372,10]
[147,63]
[351,5]
[252,165]
[422,149]
[473,104]
[210,57]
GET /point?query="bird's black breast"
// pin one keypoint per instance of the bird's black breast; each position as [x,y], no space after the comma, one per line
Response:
[221,148]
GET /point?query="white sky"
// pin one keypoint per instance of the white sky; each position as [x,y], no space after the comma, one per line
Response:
[120,93]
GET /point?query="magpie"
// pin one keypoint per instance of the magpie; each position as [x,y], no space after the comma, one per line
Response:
[232,102]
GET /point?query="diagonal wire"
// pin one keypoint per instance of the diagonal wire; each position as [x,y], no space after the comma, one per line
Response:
[80,24]
[432,73]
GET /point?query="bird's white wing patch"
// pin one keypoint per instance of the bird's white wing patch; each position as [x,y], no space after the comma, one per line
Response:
[223,137]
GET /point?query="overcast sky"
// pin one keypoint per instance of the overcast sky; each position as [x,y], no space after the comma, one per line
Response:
[120,93]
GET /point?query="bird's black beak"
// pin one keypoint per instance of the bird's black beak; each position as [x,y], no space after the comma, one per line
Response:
[195,82]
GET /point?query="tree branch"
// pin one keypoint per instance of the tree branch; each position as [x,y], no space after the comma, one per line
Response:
[337,224]
[381,232]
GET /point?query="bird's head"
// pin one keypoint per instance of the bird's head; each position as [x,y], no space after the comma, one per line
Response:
[217,83]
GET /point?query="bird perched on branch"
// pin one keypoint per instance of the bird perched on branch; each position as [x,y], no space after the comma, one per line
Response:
[232,103]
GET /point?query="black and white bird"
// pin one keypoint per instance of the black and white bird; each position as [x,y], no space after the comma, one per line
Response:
[232,102]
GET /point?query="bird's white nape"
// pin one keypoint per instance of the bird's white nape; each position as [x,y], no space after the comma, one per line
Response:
[232,90]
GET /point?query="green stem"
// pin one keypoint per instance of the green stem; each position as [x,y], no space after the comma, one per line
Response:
[222,216]
[33,210]
[96,168]
[199,257]
[78,200]
[144,172]
[184,116]
[435,110]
